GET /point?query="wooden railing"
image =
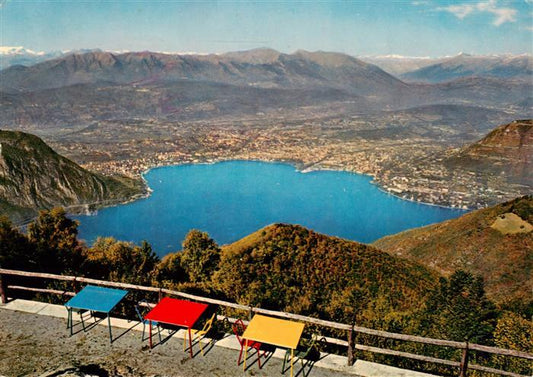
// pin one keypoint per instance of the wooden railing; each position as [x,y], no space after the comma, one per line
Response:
[350,330]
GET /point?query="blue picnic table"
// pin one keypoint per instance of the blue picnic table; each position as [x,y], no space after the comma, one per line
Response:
[94,299]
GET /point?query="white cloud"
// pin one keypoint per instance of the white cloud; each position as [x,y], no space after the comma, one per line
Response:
[423,2]
[459,11]
[502,14]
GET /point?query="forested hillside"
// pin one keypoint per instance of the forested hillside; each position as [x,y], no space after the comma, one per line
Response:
[292,268]
[495,243]
[289,268]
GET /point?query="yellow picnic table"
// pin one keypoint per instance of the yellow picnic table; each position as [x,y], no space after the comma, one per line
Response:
[274,331]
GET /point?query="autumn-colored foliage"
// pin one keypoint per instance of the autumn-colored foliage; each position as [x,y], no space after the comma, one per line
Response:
[54,242]
[516,333]
[121,261]
[470,243]
[291,268]
[13,247]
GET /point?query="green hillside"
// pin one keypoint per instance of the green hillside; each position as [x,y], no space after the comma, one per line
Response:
[496,243]
[288,267]
[33,177]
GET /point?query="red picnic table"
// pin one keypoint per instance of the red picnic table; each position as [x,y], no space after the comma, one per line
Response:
[176,312]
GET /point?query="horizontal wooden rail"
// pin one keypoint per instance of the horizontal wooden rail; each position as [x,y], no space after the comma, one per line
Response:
[434,360]
[494,371]
[329,324]
[206,299]
[42,290]
[315,321]
[385,351]
[410,338]
[500,351]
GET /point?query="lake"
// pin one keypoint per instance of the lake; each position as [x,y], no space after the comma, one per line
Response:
[232,199]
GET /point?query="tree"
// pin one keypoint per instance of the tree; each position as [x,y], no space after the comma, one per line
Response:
[14,247]
[463,311]
[114,260]
[170,270]
[200,257]
[515,333]
[54,237]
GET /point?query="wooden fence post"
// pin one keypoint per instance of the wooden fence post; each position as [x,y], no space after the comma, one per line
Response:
[464,362]
[160,294]
[350,346]
[250,313]
[3,289]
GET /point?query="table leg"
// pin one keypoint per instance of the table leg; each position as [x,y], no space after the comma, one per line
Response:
[292,359]
[190,342]
[69,320]
[245,354]
[109,324]
[150,332]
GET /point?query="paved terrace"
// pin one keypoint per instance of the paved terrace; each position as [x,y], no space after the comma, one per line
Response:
[34,341]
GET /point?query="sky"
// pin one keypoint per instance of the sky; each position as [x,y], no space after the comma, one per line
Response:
[431,28]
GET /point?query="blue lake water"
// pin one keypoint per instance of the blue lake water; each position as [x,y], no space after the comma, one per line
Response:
[230,200]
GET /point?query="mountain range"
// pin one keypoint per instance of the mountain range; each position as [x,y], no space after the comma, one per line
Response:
[100,84]
[465,65]
[129,108]
[18,55]
[425,69]
[258,68]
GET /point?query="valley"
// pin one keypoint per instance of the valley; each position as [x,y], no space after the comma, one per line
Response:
[403,153]
[125,113]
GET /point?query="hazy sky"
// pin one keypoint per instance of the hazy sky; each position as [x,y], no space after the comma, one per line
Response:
[410,27]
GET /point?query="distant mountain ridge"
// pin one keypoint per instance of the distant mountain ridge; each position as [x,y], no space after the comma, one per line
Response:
[320,77]
[398,65]
[261,68]
[18,55]
[464,65]
[33,176]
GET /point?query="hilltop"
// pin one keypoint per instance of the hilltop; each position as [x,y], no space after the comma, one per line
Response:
[33,176]
[291,268]
[496,243]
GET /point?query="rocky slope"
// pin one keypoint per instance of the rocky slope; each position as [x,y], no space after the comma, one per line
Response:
[495,242]
[507,150]
[33,176]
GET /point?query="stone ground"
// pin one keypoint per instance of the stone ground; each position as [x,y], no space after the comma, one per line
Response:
[37,345]
[34,341]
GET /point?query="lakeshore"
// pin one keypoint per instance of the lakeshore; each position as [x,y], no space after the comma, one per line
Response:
[232,199]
